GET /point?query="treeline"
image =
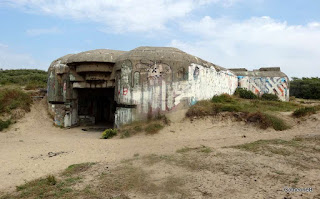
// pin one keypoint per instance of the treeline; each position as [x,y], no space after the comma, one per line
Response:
[31,78]
[306,88]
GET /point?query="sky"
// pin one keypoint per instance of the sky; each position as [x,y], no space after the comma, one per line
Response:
[230,33]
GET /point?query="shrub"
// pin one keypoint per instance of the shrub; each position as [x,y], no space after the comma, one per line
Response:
[304,111]
[11,98]
[51,180]
[270,97]
[22,77]
[245,94]
[265,121]
[222,99]
[4,124]
[109,133]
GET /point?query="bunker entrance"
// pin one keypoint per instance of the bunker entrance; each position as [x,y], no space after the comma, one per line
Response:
[96,106]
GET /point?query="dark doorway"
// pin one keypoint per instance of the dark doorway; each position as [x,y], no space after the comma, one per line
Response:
[96,106]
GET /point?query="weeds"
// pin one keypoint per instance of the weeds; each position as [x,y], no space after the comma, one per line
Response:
[109,133]
[77,168]
[266,120]
[12,98]
[148,127]
[301,112]
[253,111]
[5,124]
[153,128]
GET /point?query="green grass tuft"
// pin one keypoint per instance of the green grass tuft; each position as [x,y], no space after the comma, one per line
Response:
[109,133]
[5,124]
[301,112]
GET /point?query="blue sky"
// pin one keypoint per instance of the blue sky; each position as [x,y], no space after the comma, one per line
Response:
[230,33]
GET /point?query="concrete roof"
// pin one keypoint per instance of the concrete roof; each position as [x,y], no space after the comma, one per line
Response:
[99,55]
[262,72]
[164,54]
[61,60]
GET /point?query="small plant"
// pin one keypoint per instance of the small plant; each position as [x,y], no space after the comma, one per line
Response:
[109,133]
[245,94]
[301,112]
[4,124]
[51,180]
[270,97]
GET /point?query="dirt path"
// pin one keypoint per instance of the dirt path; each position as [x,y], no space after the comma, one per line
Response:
[25,148]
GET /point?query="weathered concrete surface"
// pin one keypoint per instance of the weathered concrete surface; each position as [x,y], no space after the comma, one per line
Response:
[264,80]
[99,55]
[143,83]
[156,80]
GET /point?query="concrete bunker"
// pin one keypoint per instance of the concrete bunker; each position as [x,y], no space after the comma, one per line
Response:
[113,88]
[81,88]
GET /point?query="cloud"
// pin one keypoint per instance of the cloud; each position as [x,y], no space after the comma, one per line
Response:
[43,31]
[14,60]
[119,16]
[256,42]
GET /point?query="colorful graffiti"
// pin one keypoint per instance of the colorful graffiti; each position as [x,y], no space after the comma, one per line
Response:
[260,85]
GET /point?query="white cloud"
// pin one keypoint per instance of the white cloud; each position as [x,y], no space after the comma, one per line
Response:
[13,60]
[254,43]
[119,16]
[43,31]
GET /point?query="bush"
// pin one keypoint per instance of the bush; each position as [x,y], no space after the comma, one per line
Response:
[4,124]
[265,121]
[245,94]
[305,111]
[270,97]
[109,133]
[306,88]
[23,77]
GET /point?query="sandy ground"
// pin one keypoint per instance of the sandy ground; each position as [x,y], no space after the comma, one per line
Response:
[26,147]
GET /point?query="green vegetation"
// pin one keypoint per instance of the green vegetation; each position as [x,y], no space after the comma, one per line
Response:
[4,124]
[109,133]
[24,77]
[75,169]
[269,97]
[252,110]
[147,127]
[301,112]
[265,121]
[12,98]
[306,88]
[245,94]
[153,128]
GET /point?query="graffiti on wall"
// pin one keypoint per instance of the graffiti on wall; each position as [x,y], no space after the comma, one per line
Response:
[261,85]
[156,91]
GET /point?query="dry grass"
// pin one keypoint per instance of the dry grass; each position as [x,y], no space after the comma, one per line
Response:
[148,127]
[139,176]
[301,112]
[302,152]
[252,111]
[76,169]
